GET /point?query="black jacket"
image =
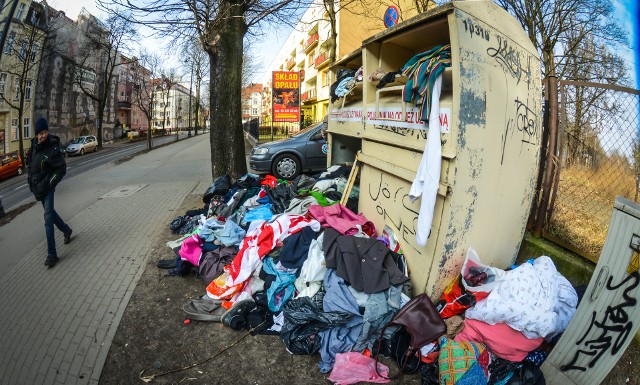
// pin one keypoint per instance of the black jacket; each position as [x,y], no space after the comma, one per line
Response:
[46,166]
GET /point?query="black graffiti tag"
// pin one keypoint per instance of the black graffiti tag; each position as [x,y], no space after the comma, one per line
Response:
[508,57]
[615,328]
[476,29]
[523,121]
[380,193]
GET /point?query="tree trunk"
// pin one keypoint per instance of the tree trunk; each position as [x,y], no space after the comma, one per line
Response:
[226,138]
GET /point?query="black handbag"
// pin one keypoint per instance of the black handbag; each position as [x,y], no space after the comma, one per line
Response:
[421,321]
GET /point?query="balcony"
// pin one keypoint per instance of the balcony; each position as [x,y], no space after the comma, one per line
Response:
[290,63]
[322,59]
[309,95]
[124,104]
[311,42]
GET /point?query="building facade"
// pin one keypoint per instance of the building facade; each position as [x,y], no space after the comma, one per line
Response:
[129,113]
[171,105]
[252,102]
[60,99]
[19,72]
[307,49]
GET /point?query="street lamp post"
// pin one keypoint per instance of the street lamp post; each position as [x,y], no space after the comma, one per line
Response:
[190,85]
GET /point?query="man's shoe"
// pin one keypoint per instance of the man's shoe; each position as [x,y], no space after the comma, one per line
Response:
[67,237]
[51,261]
[236,316]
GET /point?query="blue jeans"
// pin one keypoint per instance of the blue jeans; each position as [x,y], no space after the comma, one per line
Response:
[51,218]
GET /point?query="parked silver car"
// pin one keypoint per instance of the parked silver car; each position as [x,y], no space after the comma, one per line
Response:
[82,144]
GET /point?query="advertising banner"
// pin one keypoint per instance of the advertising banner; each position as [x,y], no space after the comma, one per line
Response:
[286,96]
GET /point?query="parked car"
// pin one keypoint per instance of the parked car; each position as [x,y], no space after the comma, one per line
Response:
[82,144]
[287,158]
[10,165]
[63,148]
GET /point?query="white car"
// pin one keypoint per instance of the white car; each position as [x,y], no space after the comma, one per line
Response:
[82,144]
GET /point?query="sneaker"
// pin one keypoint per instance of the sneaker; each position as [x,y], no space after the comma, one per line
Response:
[51,260]
[236,316]
[67,237]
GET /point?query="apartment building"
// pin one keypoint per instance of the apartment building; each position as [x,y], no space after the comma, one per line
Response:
[307,49]
[252,102]
[171,104]
[60,99]
[19,70]
[130,75]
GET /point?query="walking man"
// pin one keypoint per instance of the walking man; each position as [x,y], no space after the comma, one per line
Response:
[46,169]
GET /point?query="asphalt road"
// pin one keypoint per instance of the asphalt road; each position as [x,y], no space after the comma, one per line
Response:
[14,190]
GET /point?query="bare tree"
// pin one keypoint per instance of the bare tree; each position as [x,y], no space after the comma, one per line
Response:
[163,87]
[98,59]
[220,27]
[145,69]
[23,52]
[197,62]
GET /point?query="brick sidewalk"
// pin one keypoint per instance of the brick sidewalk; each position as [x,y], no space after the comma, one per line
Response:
[57,324]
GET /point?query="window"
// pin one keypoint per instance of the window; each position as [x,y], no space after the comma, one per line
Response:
[20,11]
[34,53]
[255,111]
[27,89]
[26,128]
[3,83]
[10,40]
[325,79]
[14,129]
[23,50]
[16,88]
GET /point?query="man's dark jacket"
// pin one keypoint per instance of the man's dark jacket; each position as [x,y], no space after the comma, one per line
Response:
[46,166]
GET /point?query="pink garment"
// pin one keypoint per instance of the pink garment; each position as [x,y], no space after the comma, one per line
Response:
[191,250]
[353,367]
[341,219]
[500,339]
[257,243]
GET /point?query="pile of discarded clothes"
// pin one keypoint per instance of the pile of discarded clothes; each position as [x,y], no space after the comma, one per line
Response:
[287,258]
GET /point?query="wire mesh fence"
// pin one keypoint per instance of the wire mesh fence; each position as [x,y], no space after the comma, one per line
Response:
[598,154]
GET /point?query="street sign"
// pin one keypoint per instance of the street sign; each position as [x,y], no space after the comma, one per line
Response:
[391,16]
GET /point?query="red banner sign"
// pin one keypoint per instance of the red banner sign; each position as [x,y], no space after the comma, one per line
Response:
[286,96]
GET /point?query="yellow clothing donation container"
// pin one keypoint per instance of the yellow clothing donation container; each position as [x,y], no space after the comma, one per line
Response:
[490,124]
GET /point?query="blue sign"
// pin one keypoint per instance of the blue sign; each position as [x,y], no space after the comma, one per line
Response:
[391,16]
[325,148]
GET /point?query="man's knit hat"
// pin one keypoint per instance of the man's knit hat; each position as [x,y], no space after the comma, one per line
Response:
[41,125]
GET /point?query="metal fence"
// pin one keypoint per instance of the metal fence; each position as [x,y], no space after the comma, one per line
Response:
[268,132]
[597,158]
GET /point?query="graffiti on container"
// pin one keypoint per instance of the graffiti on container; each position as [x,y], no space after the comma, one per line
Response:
[614,327]
[383,196]
[524,121]
[509,58]
[475,29]
[403,131]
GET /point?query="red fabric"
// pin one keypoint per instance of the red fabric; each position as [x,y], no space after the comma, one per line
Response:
[500,339]
[270,181]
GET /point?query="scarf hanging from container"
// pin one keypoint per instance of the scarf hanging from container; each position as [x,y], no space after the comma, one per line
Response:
[423,69]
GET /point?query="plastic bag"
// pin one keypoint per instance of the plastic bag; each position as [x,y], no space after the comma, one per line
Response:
[220,186]
[302,322]
[456,299]
[353,367]
[478,277]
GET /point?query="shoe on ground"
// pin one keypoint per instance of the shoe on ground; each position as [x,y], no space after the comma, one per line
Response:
[51,260]
[236,316]
[67,237]
[167,263]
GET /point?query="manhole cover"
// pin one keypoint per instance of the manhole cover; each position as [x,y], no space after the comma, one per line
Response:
[124,191]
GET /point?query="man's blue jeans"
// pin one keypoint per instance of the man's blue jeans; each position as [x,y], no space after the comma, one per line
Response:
[51,218]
